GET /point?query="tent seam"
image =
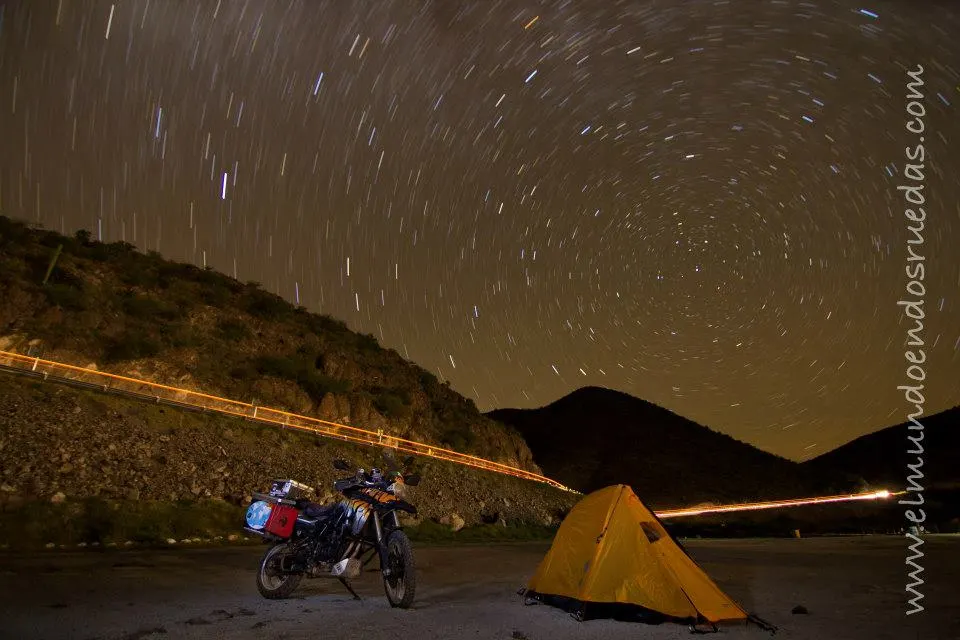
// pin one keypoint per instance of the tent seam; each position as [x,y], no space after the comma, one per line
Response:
[596,553]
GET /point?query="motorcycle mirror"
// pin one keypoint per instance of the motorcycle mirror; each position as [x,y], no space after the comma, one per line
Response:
[412,480]
[342,465]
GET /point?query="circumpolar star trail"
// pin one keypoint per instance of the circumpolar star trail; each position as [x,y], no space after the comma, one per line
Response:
[694,203]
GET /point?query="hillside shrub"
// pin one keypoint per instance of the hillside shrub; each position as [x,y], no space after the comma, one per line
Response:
[97,520]
[301,371]
[367,343]
[131,345]
[143,277]
[232,330]
[278,366]
[13,232]
[105,252]
[146,308]
[458,437]
[318,385]
[215,294]
[322,324]
[266,306]
[183,335]
[66,296]
[391,404]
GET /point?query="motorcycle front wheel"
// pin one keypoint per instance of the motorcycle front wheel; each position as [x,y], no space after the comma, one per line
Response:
[271,582]
[401,583]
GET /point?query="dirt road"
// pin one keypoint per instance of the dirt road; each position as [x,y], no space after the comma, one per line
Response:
[852,587]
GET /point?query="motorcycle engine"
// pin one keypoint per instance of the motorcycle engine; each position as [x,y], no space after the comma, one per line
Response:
[332,543]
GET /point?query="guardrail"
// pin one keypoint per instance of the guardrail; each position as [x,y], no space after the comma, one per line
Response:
[197,401]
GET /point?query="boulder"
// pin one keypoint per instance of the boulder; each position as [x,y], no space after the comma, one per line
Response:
[454,521]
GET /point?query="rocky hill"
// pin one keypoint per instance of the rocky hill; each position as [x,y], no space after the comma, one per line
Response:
[595,437]
[64,446]
[113,307]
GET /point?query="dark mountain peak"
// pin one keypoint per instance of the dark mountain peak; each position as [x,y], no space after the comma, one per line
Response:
[597,401]
[594,437]
[600,396]
[882,457]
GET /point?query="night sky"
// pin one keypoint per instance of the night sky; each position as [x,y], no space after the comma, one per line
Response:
[692,202]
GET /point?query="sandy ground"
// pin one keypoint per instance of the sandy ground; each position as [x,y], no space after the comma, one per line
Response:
[852,587]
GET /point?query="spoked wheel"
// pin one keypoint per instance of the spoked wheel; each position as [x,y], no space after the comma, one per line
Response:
[271,582]
[401,585]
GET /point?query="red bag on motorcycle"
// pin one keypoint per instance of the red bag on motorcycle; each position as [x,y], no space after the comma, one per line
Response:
[281,521]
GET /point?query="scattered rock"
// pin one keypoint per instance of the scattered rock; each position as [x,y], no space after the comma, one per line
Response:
[145,633]
[800,609]
[126,457]
[455,522]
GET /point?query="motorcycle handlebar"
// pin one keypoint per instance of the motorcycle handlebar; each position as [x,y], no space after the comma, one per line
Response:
[362,477]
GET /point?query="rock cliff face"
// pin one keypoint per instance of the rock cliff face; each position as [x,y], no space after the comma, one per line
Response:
[110,307]
[59,444]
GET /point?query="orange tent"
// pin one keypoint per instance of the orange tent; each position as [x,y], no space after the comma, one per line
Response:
[613,558]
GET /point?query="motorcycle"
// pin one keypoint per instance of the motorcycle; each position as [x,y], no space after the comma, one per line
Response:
[330,541]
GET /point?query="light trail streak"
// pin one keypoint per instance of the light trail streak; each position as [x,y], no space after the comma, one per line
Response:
[775,504]
[324,428]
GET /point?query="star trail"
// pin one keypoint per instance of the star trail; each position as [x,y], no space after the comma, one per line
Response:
[692,202]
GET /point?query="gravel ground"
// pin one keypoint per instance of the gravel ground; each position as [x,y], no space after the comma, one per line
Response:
[852,587]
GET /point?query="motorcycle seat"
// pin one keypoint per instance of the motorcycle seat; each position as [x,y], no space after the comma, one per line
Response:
[319,511]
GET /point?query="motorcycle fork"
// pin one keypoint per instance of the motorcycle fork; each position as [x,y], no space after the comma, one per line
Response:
[381,545]
[382,549]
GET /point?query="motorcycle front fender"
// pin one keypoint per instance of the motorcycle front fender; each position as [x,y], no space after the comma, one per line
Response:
[398,505]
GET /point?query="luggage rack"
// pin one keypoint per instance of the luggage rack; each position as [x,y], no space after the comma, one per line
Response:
[265,497]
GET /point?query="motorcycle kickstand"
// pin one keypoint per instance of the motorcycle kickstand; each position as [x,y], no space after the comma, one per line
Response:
[349,588]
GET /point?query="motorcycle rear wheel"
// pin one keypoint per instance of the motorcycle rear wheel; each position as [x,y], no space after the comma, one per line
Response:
[401,585]
[270,583]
